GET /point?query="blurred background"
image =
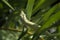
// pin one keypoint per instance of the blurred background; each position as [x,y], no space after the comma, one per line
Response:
[45,13]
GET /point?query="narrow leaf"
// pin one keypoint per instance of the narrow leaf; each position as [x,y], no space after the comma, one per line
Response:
[52,19]
[42,4]
[8,4]
[38,5]
[29,8]
[52,10]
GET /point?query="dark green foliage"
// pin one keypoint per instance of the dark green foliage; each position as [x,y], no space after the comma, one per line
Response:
[45,13]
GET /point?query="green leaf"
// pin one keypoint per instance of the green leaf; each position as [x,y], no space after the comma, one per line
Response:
[8,4]
[29,8]
[42,4]
[38,5]
[59,28]
[43,16]
[1,5]
[52,19]
[49,12]
[58,31]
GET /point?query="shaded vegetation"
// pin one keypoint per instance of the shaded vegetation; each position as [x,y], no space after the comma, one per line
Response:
[45,13]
